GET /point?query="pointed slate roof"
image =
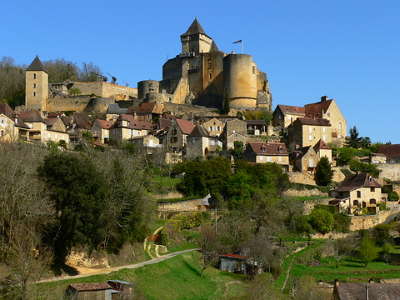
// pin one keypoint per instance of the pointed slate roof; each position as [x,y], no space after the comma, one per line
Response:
[199,131]
[194,28]
[36,65]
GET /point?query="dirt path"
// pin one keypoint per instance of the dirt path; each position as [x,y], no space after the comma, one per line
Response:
[133,266]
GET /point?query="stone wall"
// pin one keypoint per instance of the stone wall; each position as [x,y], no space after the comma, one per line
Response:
[390,171]
[366,222]
[304,193]
[106,90]
[188,205]
[302,178]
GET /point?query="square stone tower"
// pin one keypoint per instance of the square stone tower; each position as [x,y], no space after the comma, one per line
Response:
[37,86]
[195,40]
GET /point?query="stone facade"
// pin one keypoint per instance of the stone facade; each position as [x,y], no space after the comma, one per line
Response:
[307,132]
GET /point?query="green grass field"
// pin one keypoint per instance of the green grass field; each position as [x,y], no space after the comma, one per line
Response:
[178,278]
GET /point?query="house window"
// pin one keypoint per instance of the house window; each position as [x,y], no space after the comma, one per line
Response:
[372,190]
[310,137]
[358,194]
[372,201]
[34,75]
[355,202]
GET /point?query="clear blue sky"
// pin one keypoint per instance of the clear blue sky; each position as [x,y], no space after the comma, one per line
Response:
[346,49]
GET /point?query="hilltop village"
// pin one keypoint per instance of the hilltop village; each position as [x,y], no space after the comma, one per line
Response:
[210,122]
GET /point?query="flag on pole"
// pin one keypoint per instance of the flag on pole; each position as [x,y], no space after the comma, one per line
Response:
[237,42]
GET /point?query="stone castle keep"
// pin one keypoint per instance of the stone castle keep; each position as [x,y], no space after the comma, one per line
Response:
[201,75]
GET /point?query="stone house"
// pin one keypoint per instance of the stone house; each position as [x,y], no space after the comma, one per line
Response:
[55,124]
[77,125]
[392,153]
[236,263]
[148,111]
[285,115]
[305,159]
[176,135]
[378,158]
[257,127]
[306,132]
[31,125]
[214,127]
[114,111]
[8,131]
[357,192]
[101,130]
[201,144]
[234,131]
[55,136]
[127,128]
[329,110]
[148,143]
[267,152]
[112,290]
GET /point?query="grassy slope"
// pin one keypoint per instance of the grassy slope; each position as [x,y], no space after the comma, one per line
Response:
[177,279]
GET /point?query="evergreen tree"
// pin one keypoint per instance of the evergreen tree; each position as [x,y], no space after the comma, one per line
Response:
[324,173]
[354,140]
[368,251]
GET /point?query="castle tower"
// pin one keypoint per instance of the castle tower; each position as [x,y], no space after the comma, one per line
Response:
[37,86]
[195,40]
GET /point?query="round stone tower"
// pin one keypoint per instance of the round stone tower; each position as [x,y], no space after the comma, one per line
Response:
[240,81]
[146,87]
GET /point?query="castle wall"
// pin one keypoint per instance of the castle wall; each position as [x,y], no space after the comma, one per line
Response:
[77,104]
[240,81]
[106,90]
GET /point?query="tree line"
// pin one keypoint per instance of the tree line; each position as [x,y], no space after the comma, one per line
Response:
[12,76]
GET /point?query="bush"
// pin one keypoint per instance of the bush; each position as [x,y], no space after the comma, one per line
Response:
[341,223]
[393,196]
[302,225]
[321,220]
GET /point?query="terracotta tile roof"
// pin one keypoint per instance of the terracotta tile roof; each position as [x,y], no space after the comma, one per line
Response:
[321,145]
[357,181]
[90,286]
[391,151]
[293,110]
[316,110]
[185,126]
[235,256]
[135,124]
[103,123]
[376,291]
[6,110]
[31,116]
[314,122]
[81,120]
[199,131]
[149,107]
[269,148]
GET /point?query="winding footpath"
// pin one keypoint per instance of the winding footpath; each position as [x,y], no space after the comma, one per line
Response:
[113,269]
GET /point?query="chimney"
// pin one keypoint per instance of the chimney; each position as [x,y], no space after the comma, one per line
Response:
[324,98]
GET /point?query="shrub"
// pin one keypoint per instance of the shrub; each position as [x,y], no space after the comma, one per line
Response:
[393,196]
[341,223]
[321,220]
[302,225]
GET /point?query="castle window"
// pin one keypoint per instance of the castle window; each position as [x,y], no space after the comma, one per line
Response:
[34,75]
[34,94]
[254,69]
[210,75]
[34,85]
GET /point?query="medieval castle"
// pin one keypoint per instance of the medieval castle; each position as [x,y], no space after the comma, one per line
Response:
[200,75]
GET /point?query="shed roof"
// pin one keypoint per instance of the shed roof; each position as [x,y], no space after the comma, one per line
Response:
[81,287]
